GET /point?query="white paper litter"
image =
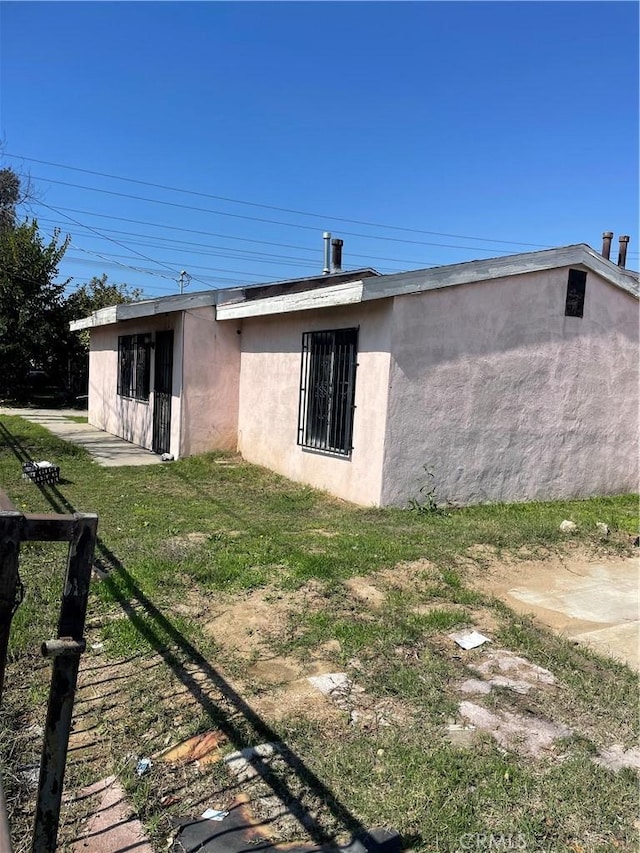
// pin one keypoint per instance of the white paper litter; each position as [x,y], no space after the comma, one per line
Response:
[214,814]
[469,639]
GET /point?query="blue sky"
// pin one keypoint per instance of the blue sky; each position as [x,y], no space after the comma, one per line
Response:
[508,125]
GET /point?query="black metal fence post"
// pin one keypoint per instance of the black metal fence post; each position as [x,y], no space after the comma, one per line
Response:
[10,586]
[64,676]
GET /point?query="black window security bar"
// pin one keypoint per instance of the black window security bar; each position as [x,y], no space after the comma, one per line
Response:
[327,390]
[134,366]
[576,287]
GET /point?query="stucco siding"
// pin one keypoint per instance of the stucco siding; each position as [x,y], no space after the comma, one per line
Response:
[128,418]
[269,395]
[503,398]
[211,380]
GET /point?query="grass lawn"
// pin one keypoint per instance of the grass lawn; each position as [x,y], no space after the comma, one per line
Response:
[224,586]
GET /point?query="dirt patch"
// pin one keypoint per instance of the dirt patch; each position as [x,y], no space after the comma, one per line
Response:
[247,624]
[274,671]
[405,575]
[365,591]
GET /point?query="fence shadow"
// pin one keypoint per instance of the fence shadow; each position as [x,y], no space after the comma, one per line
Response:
[155,627]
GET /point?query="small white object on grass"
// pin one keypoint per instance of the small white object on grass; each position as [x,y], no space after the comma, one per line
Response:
[469,639]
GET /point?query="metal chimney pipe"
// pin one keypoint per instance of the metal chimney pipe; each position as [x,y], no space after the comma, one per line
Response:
[327,252]
[336,260]
[607,237]
[622,254]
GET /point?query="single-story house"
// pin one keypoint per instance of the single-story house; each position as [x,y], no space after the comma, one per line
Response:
[509,379]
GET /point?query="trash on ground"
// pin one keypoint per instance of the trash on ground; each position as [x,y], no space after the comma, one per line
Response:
[603,528]
[169,800]
[203,748]
[143,766]
[97,647]
[567,526]
[469,639]
[167,457]
[214,814]
[244,764]
[41,472]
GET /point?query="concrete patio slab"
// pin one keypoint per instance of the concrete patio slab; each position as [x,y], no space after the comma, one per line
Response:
[591,602]
[106,449]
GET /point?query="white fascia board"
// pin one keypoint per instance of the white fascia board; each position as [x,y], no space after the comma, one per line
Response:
[321,297]
[148,308]
[103,317]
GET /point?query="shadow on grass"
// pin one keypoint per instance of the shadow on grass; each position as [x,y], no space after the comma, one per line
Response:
[155,627]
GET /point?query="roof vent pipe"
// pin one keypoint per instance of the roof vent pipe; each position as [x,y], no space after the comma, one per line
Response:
[336,259]
[607,237]
[622,254]
[327,253]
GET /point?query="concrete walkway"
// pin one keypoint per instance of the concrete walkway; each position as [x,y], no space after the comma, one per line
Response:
[107,450]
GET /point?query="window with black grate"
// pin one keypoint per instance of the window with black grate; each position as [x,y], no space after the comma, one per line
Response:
[134,366]
[327,390]
[576,287]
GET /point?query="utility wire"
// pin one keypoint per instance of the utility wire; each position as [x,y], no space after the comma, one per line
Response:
[261,219]
[104,237]
[107,258]
[272,243]
[272,207]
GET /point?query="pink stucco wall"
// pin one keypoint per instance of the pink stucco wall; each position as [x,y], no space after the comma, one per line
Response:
[211,380]
[269,392]
[130,419]
[504,398]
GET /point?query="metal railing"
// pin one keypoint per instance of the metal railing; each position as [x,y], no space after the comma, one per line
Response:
[79,530]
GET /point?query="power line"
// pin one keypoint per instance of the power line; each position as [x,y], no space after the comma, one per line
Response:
[272,243]
[211,269]
[262,219]
[106,260]
[273,207]
[104,237]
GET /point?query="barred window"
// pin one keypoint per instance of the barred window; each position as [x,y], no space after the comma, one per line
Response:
[134,366]
[327,390]
[576,287]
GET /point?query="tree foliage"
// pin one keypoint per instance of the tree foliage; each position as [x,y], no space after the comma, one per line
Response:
[92,296]
[34,312]
[99,293]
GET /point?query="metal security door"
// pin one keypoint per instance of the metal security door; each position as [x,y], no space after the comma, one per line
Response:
[162,388]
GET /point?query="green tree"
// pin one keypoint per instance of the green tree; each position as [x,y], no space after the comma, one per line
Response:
[96,294]
[32,305]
